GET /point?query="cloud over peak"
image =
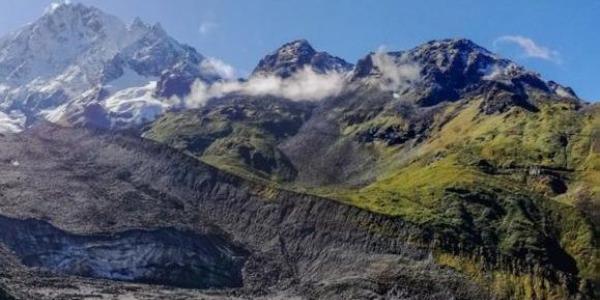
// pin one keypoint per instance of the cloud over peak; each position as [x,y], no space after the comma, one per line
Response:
[396,71]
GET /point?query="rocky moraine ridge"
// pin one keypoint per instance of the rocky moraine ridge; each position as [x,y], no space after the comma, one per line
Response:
[178,221]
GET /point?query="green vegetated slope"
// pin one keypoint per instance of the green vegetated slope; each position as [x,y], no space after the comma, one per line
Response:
[516,186]
[238,134]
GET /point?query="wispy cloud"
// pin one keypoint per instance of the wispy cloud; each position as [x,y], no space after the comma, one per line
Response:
[218,67]
[303,85]
[530,48]
[206,27]
[396,71]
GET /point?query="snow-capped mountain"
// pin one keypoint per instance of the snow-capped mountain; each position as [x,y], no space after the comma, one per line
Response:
[75,58]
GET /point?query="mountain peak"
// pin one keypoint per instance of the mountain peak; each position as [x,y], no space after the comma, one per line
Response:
[463,64]
[450,69]
[67,8]
[296,55]
[157,27]
[459,44]
[444,54]
[300,47]
[138,23]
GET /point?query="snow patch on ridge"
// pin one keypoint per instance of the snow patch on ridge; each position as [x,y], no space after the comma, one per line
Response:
[135,105]
[56,5]
[12,122]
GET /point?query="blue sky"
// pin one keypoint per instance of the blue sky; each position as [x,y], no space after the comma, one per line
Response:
[558,39]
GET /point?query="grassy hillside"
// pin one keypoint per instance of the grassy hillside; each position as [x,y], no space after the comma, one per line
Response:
[517,185]
[239,135]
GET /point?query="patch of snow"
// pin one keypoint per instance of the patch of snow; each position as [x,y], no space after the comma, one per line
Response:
[54,115]
[12,122]
[55,5]
[135,105]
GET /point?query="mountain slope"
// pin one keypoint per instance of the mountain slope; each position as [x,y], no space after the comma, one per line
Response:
[238,133]
[127,206]
[472,152]
[494,160]
[504,187]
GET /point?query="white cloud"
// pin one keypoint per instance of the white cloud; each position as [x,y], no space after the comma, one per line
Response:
[499,71]
[530,48]
[207,27]
[303,85]
[12,122]
[396,71]
[219,67]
